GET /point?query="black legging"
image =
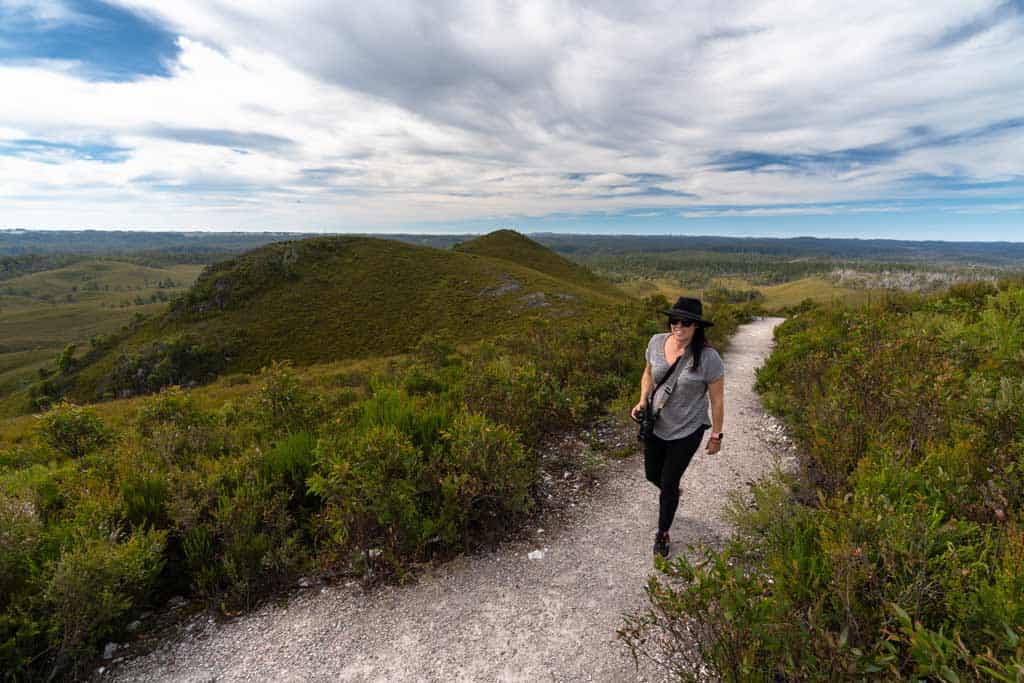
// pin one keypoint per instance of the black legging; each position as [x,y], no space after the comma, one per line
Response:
[664,464]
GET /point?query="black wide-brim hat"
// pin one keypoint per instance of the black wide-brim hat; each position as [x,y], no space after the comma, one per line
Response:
[688,308]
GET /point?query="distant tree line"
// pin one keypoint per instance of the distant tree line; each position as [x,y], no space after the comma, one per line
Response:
[1003,254]
[23,242]
[206,247]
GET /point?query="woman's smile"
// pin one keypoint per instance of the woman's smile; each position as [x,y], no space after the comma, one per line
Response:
[682,334]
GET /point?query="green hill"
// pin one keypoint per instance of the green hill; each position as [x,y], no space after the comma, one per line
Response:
[509,245]
[330,298]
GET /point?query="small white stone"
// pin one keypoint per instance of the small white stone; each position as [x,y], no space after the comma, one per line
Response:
[134,626]
[109,650]
[536,555]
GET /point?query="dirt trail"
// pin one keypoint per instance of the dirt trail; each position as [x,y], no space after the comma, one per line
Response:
[499,616]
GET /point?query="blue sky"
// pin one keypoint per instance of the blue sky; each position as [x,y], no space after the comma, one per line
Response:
[845,119]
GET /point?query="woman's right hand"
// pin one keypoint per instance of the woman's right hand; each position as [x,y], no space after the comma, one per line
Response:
[637,408]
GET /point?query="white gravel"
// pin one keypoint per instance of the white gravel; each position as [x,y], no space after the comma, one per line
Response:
[539,610]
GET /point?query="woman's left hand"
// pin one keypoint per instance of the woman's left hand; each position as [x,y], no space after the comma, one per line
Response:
[714,445]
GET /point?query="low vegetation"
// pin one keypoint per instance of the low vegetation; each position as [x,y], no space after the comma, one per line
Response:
[896,551]
[368,476]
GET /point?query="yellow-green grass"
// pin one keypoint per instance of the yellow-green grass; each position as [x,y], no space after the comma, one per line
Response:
[332,298]
[33,331]
[94,281]
[816,289]
[776,297]
[52,326]
[19,368]
[33,339]
[644,287]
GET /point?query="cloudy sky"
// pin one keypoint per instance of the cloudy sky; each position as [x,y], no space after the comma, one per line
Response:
[863,118]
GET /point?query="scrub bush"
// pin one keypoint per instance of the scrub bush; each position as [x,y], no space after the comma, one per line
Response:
[257,545]
[485,476]
[92,585]
[288,464]
[239,537]
[373,483]
[144,500]
[283,405]
[72,431]
[174,429]
[524,396]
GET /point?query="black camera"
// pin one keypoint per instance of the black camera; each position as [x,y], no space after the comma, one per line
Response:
[645,418]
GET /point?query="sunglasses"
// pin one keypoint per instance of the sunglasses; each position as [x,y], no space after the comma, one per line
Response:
[684,323]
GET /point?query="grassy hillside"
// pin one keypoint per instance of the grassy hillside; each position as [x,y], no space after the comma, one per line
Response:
[330,298]
[509,245]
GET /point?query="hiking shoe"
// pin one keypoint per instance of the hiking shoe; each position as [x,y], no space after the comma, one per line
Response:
[661,544]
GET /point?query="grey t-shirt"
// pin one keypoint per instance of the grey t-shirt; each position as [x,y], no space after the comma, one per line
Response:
[687,408]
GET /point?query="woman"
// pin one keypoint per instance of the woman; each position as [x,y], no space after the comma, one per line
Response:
[683,418]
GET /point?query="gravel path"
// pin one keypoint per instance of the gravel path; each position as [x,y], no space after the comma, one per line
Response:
[497,616]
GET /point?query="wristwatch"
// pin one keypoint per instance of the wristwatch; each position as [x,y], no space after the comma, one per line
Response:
[718,436]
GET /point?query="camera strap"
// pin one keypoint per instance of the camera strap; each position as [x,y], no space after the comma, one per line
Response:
[669,388]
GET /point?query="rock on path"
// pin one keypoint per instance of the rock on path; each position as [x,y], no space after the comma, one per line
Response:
[498,616]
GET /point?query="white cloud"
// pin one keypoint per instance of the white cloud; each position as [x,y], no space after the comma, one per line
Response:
[42,11]
[377,114]
[828,210]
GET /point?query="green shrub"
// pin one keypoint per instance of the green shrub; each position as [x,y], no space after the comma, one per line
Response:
[93,584]
[436,349]
[72,430]
[238,536]
[420,381]
[371,482]
[144,499]
[174,429]
[20,456]
[485,476]
[47,488]
[289,463]
[172,406]
[20,533]
[283,404]
[524,396]
[713,616]
[422,419]
[176,360]
[258,543]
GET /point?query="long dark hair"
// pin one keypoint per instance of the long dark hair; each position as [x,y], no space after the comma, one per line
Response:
[697,344]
